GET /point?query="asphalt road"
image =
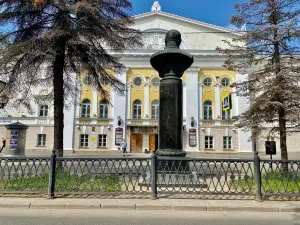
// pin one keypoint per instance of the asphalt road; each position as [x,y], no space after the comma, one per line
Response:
[113,217]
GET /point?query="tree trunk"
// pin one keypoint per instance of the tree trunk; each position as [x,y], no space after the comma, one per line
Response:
[282,132]
[58,84]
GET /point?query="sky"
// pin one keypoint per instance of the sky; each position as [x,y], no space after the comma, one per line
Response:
[217,12]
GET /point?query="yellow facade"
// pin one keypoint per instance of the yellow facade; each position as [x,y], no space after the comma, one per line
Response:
[209,91]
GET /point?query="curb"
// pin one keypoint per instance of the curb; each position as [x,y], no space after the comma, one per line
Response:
[203,208]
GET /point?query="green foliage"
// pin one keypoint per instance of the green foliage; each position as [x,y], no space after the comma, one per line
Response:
[65,182]
[271,182]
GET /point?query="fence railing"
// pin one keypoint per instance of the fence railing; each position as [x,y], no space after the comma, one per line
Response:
[153,176]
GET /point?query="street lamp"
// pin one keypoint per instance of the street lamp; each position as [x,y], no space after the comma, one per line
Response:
[3,98]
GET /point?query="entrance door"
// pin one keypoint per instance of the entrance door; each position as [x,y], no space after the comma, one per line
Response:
[136,143]
[153,142]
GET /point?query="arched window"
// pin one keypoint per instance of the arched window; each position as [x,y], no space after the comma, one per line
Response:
[224,113]
[208,110]
[86,108]
[155,109]
[103,110]
[137,109]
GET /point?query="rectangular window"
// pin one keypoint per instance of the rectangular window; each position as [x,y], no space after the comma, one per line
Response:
[44,110]
[103,111]
[225,114]
[84,140]
[41,140]
[155,111]
[137,111]
[102,140]
[86,110]
[227,142]
[209,142]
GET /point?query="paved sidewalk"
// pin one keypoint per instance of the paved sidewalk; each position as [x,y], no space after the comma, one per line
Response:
[148,204]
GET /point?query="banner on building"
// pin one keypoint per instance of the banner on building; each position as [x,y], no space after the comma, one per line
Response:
[192,137]
[118,135]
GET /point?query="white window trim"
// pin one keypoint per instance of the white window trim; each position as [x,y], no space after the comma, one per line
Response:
[99,135]
[43,139]
[43,110]
[227,142]
[84,141]
[213,142]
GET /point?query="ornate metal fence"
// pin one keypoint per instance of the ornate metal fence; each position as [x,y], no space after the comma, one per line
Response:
[149,177]
[24,175]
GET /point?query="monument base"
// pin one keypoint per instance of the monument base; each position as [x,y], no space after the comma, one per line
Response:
[170,152]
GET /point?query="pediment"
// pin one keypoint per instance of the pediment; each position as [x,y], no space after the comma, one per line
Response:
[195,34]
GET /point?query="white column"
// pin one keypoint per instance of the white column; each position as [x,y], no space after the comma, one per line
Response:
[192,102]
[184,101]
[146,100]
[112,99]
[119,109]
[234,110]
[243,104]
[95,104]
[128,100]
[200,102]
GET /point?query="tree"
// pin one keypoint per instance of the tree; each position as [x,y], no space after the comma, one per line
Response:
[270,46]
[51,39]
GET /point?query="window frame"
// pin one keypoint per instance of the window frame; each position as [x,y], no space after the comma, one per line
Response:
[205,79]
[224,113]
[43,111]
[135,79]
[85,138]
[41,140]
[225,78]
[155,108]
[209,142]
[103,110]
[207,109]
[102,137]
[154,79]
[227,142]
[136,108]
[87,107]
[87,78]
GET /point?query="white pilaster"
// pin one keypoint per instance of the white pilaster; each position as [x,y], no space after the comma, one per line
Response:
[243,104]
[119,109]
[192,102]
[112,99]
[95,104]
[235,107]
[146,100]
[128,100]
[218,100]
[200,108]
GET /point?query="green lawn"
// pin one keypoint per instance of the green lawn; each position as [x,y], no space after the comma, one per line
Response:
[64,183]
[272,182]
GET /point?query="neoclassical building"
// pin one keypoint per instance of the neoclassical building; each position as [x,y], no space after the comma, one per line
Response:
[95,125]
[134,116]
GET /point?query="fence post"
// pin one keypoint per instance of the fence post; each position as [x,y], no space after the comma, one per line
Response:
[154,176]
[257,177]
[51,185]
